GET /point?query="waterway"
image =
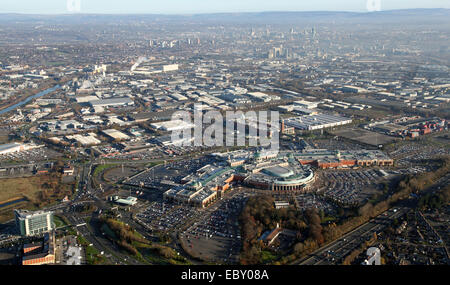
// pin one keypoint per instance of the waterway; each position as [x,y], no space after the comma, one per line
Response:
[21,103]
[12,202]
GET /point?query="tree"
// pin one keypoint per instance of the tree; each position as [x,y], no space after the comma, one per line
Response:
[299,248]
[366,210]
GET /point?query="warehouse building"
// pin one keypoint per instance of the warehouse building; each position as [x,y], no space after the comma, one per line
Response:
[306,104]
[112,102]
[174,125]
[84,139]
[14,147]
[115,134]
[317,122]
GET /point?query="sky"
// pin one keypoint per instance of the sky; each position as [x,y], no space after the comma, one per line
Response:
[207,6]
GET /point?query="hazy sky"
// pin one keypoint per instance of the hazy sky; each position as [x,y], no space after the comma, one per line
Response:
[207,6]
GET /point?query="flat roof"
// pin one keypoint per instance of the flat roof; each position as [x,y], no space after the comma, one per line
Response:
[9,146]
[112,101]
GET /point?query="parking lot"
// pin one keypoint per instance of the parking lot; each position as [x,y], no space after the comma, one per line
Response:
[311,200]
[411,153]
[163,217]
[173,172]
[336,143]
[351,187]
[118,173]
[31,155]
[216,237]
[151,153]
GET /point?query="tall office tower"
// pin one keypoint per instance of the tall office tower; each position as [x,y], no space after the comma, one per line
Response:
[33,223]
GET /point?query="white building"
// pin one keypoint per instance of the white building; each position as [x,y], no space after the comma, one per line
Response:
[173,125]
[14,147]
[316,122]
[306,104]
[170,67]
[115,134]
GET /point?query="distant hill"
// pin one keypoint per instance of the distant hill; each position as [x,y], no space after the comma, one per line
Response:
[390,16]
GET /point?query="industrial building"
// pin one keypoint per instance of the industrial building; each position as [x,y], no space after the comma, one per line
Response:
[112,102]
[353,89]
[169,141]
[306,104]
[86,99]
[40,253]
[14,147]
[317,122]
[115,134]
[84,139]
[169,67]
[262,97]
[173,125]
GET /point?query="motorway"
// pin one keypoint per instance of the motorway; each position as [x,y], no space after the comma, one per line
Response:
[336,251]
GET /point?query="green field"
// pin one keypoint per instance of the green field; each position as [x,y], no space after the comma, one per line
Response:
[59,222]
[100,168]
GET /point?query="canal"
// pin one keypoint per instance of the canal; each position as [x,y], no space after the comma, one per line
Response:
[40,94]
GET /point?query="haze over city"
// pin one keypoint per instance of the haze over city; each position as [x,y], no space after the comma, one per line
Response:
[207,6]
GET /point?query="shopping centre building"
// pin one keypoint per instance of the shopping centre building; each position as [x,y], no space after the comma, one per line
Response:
[280,172]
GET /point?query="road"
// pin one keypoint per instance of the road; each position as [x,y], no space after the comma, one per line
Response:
[335,251]
[338,249]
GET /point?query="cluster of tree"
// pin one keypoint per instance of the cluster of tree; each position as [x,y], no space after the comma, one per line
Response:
[123,231]
[314,226]
[125,234]
[164,251]
[259,215]
[436,200]
[131,241]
